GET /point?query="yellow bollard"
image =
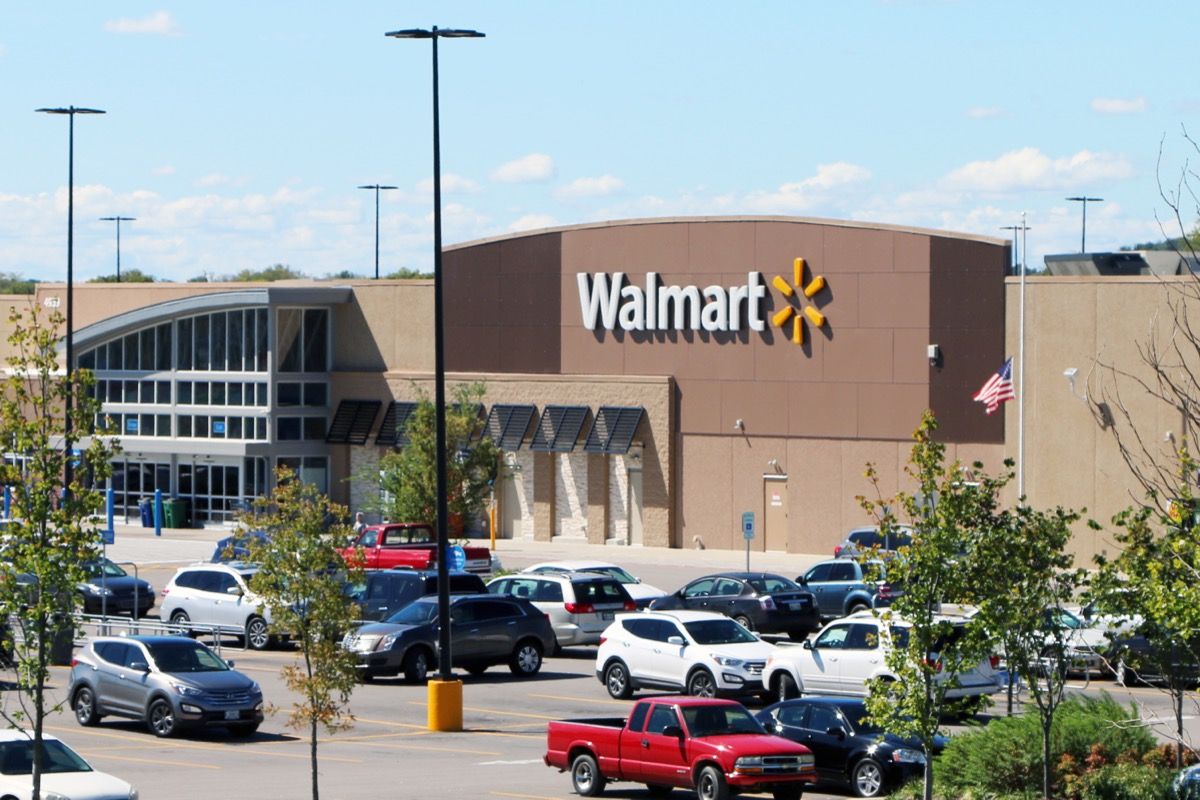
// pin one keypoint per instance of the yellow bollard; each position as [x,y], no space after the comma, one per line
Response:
[445,705]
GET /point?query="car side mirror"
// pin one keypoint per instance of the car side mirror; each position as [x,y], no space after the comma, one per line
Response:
[803,581]
[229,663]
[676,640]
[236,590]
[837,731]
[673,730]
[808,645]
[139,666]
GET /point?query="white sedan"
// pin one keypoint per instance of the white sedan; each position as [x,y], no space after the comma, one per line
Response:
[64,772]
[642,593]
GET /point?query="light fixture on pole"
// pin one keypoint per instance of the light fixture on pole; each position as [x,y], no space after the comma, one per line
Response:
[69,112]
[441,717]
[377,187]
[1021,368]
[118,220]
[1084,199]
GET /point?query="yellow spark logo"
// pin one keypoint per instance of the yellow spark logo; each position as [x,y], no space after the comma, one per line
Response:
[789,312]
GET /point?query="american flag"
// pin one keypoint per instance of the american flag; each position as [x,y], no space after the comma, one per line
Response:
[998,389]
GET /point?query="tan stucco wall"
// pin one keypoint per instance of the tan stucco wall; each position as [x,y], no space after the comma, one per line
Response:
[1086,323]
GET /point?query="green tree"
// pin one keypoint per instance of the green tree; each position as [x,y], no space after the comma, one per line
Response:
[343,275]
[12,283]
[275,272]
[128,276]
[52,532]
[408,478]
[300,580]
[407,273]
[944,512]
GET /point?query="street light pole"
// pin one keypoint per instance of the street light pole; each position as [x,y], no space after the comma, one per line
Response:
[438,719]
[69,112]
[377,187]
[1084,199]
[118,220]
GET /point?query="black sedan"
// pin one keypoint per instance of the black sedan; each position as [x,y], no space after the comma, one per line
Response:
[111,590]
[849,751]
[760,601]
[485,630]
[1142,660]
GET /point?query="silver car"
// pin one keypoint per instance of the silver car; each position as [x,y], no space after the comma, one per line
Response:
[171,682]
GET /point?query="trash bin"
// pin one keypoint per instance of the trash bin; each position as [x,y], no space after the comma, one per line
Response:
[175,513]
[147,510]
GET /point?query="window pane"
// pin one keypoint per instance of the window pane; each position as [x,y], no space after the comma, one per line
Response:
[231,482]
[287,338]
[185,478]
[218,393]
[314,428]
[260,336]
[101,357]
[235,428]
[130,346]
[316,326]
[262,394]
[146,394]
[115,360]
[184,389]
[200,427]
[131,425]
[287,429]
[218,427]
[131,392]
[316,394]
[201,479]
[260,428]
[183,350]
[163,392]
[200,393]
[162,348]
[248,341]
[287,394]
[146,425]
[163,426]
[146,345]
[87,360]
[235,394]
[218,340]
[201,344]
[185,426]
[235,340]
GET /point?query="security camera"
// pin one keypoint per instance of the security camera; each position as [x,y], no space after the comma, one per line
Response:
[739,425]
[1069,373]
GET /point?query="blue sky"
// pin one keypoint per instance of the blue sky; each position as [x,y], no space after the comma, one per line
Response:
[236,133]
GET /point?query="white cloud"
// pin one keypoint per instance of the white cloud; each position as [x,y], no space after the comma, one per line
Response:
[1120,105]
[531,222]
[165,169]
[213,179]
[591,187]
[803,195]
[1030,168]
[533,168]
[451,184]
[159,23]
[985,112]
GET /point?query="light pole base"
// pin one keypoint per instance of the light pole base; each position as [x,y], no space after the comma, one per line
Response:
[445,705]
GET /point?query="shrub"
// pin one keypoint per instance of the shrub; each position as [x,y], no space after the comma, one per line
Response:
[1126,782]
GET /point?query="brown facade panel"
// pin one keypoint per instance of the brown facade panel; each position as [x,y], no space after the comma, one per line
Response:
[776,244]
[898,300]
[826,410]
[720,247]
[858,250]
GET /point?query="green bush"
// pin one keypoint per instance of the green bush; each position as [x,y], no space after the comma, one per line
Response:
[1127,782]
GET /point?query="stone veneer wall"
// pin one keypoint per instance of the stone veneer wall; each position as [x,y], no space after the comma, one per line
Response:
[571,495]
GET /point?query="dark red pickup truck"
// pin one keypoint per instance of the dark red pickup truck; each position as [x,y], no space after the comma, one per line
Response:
[407,544]
[713,746]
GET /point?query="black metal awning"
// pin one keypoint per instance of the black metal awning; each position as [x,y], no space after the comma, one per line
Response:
[614,429]
[508,424]
[559,428]
[393,431]
[352,422]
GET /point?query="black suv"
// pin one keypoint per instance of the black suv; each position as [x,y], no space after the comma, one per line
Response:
[760,601]
[382,593]
[485,630]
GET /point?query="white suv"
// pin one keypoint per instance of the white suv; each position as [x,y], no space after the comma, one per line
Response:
[849,652]
[217,597]
[580,605]
[700,652]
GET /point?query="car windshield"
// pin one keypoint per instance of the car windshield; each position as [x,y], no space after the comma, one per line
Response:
[613,572]
[718,631]
[767,584]
[1065,619]
[16,758]
[719,721]
[415,614]
[107,569]
[179,657]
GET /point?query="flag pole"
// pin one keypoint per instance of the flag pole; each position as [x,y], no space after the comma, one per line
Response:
[1021,370]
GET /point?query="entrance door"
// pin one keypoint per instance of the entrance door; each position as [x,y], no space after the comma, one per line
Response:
[512,514]
[775,512]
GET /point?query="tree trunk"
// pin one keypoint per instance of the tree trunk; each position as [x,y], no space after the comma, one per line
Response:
[928,778]
[1178,704]
[1047,772]
[312,718]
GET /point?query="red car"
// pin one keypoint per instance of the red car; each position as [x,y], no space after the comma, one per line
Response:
[407,544]
[713,746]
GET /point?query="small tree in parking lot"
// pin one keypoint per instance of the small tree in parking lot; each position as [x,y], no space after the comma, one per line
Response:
[50,534]
[928,653]
[301,579]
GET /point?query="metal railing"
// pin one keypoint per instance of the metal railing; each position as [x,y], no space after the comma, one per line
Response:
[96,625]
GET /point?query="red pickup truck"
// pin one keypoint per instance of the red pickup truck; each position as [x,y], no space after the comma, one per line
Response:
[406,544]
[714,746]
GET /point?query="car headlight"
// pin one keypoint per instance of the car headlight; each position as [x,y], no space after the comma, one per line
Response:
[255,688]
[387,641]
[185,690]
[55,796]
[906,755]
[133,793]
[99,591]
[747,762]
[726,661]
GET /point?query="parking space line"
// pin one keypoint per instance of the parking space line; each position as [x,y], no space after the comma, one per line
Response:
[336,739]
[623,703]
[175,744]
[393,724]
[495,711]
[429,747]
[108,754]
[524,796]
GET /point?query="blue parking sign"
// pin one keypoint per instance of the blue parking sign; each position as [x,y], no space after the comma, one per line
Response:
[456,558]
[748,525]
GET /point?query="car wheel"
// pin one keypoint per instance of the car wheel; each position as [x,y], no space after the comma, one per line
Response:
[416,665]
[616,680]
[788,793]
[243,731]
[785,687]
[476,669]
[180,618]
[711,785]
[744,621]
[585,776]
[866,779]
[701,684]
[160,718]
[659,789]
[797,636]
[85,707]
[257,633]
[526,658]
[857,607]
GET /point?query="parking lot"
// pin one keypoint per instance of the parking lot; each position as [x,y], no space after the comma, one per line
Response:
[389,751]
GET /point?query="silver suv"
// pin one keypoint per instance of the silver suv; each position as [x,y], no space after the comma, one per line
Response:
[171,682]
[217,598]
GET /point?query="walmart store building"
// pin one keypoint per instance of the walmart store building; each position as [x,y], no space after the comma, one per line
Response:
[648,381]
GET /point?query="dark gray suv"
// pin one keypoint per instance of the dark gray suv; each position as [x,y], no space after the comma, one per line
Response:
[842,587]
[171,682]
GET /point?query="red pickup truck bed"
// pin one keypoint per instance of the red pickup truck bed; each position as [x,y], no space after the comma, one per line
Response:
[407,544]
[713,746]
